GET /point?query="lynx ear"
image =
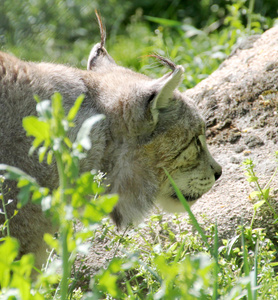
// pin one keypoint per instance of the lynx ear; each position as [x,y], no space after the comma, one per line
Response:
[166,86]
[99,56]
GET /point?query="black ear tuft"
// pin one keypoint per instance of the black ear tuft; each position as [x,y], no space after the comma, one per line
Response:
[165,87]
[102,29]
[99,56]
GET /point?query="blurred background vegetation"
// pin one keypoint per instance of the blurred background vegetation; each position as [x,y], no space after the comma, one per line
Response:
[196,34]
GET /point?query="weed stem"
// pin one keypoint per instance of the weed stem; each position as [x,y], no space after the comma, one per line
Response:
[6,225]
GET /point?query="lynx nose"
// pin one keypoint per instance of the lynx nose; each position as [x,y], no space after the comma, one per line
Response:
[217,175]
[217,169]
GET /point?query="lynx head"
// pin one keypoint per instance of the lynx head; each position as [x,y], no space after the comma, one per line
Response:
[152,126]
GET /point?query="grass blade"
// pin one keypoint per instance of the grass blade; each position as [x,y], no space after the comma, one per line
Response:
[254,278]
[188,210]
[216,268]
[178,256]
[163,21]
[246,265]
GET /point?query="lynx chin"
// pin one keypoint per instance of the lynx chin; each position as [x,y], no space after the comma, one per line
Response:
[149,126]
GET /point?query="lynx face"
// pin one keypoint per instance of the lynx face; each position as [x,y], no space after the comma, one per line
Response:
[181,149]
[153,127]
[194,171]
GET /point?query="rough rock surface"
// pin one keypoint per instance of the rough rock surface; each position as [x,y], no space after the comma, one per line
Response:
[240,103]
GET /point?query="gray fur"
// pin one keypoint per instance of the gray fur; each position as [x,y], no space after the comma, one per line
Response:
[149,126]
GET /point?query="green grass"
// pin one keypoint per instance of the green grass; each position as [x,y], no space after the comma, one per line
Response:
[167,262]
[158,259]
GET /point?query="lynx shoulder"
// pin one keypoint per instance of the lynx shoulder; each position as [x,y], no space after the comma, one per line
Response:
[149,126]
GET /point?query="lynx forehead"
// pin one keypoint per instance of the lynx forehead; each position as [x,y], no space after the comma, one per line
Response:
[149,126]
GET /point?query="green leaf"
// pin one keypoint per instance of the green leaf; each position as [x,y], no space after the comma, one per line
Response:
[254,194]
[266,193]
[57,106]
[107,202]
[108,283]
[51,241]
[14,173]
[231,244]
[8,253]
[58,123]
[258,204]
[162,21]
[91,214]
[252,179]
[38,129]
[68,142]
[22,182]
[49,157]
[42,151]
[24,194]
[95,210]
[74,110]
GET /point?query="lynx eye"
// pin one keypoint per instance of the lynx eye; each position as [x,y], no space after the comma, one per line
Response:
[198,143]
[194,142]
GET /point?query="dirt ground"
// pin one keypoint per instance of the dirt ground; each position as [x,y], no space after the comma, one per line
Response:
[240,103]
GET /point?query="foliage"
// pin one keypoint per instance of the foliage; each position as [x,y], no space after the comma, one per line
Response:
[197,35]
[183,266]
[179,265]
[77,195]
[262,194]
[166,263]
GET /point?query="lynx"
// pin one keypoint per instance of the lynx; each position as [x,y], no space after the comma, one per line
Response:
[149,126]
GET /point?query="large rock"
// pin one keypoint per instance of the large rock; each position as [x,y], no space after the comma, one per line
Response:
[240,103]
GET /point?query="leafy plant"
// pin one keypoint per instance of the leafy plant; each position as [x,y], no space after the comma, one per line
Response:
[183,266]
[77,195]
[261,193]
[5,228]
[159,259]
